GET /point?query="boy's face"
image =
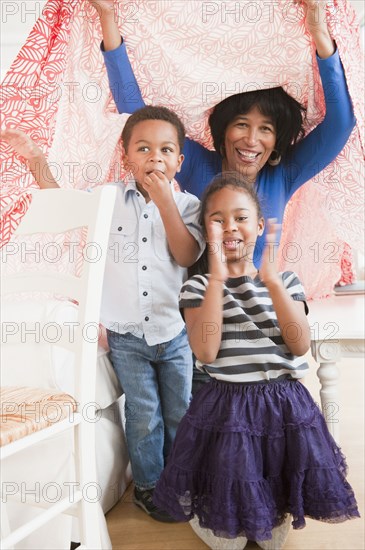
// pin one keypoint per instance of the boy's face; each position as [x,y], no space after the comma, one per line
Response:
[153,147]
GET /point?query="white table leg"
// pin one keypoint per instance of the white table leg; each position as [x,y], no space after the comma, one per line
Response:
[327,353]
[328,375]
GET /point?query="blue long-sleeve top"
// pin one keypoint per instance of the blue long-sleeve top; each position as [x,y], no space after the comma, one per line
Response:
[274,185]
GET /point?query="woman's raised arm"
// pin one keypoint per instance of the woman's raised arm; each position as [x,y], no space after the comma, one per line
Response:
[122,82]
[321,146]
[200,164]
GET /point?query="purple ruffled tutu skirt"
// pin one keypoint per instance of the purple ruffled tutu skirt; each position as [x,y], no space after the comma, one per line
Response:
[245,455]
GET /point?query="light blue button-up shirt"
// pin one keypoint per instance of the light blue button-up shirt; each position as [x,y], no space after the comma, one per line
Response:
[142,280]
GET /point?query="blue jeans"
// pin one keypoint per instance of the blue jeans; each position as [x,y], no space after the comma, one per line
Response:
[157,384]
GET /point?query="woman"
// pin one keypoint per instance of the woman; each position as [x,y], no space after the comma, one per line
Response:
[255,133]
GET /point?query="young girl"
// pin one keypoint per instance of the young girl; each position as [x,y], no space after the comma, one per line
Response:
[253,448]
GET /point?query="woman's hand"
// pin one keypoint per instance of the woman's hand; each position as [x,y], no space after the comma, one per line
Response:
[268,269]
[316,23]
[315,16]
[29,150]
[109,23]
[21,143]
[103,7]
[217,259]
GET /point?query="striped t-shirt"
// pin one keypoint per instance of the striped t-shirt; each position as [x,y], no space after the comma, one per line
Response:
[252,348]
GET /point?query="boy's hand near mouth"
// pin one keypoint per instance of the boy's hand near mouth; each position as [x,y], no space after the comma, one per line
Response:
[158,188]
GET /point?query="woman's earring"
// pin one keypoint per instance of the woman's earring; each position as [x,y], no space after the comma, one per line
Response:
[276,160]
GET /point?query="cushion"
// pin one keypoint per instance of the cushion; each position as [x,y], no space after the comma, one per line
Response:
[41,362]
[27,410]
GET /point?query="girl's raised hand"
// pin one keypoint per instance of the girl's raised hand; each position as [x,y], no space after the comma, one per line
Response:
[268,269]
[217,260]
[21,143]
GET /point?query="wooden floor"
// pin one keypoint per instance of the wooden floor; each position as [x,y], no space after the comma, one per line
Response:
[131,529]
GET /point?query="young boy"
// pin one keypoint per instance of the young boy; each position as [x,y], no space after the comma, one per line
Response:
[154,237]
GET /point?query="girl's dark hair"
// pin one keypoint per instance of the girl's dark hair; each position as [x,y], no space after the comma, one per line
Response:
[220,181]
[152,112]
[286,113]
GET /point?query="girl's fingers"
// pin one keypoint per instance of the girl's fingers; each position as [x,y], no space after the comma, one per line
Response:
[215,232]
[272,229]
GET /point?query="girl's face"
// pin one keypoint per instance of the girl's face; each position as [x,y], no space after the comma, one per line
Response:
[235,211]
[249,141]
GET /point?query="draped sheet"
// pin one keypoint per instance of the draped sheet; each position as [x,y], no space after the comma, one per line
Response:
[187,56]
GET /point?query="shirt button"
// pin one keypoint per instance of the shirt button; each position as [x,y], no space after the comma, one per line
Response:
[146,318]
[144,267]
[145,216]
[120,228]
[145,293]
[144,239]
[137,194]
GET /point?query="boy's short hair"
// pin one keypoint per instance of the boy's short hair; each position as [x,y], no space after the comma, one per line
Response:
[153,112]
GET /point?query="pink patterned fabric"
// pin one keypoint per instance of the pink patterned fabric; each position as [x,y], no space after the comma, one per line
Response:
[57,91]
[37,69]
[189,56]
[14,203]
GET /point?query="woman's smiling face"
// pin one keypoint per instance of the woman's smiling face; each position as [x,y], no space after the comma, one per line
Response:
[249,141]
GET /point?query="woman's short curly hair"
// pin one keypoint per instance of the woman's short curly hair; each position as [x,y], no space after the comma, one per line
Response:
[286,113]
